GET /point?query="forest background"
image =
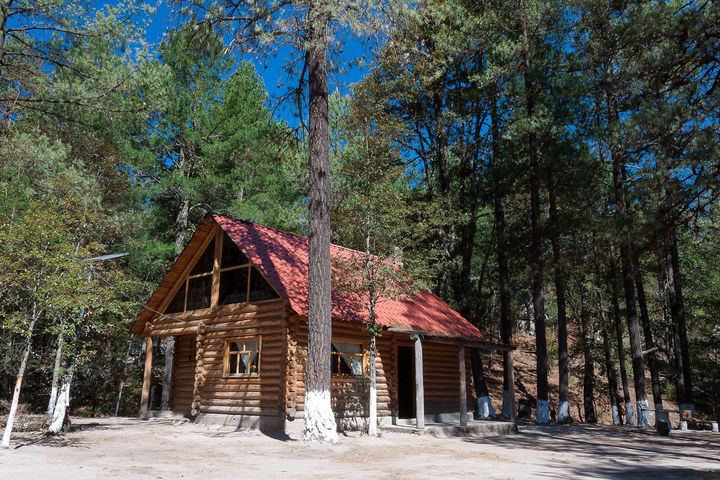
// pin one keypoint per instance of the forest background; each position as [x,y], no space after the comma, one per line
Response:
[548,168]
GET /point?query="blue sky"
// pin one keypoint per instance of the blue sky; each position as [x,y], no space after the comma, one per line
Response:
[271,70]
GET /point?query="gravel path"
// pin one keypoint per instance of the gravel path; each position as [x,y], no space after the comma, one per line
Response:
[126,448]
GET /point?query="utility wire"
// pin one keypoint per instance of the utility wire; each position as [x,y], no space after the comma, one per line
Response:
[144,305]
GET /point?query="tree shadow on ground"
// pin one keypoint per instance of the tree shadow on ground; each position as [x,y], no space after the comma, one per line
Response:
[44,440]
[622,452]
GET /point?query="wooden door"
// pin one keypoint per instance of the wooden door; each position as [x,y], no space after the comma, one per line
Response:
[406,382]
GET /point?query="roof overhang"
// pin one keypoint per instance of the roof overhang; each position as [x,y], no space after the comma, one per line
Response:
[467,342]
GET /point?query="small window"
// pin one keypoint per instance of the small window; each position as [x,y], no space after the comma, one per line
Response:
[347,359]
[259,288]
[231,254]
[205,262]
[233,286]
[242,356]
[198,294]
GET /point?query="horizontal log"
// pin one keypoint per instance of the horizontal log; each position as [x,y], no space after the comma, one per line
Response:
[240,410]
[240,403]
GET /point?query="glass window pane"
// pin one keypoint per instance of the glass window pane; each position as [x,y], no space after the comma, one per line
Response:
[231,254]
[233,286]
[338,347]
[334,363]
[199,292]
[235,346]
[254,357]
[354,348]
[205,262]
[243,359]
[233,364]
[252,345]
[259,288]
[345,367]
[357,365]
[178,302]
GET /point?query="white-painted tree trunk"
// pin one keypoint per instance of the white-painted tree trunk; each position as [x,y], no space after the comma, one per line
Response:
[506,404]
[372,414]
[372,417]
[662,417]
[643,415]
[5,443]
[542,414]
[564,412]
[616,415]
[56,377]
[63,402]
[629,418]
[659,417]
[485,408]
[319,418]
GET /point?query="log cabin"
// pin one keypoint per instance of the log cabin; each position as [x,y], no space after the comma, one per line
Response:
[235,300]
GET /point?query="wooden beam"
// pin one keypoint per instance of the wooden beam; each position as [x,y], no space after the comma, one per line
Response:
[215,291]
[145,397]
[419,388]
[511,374]
[463,387]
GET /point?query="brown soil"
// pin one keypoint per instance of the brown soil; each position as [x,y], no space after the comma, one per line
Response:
[120,448]
[526,382]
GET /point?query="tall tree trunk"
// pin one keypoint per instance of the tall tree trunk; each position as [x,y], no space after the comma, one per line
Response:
[564,406]
[689,402]
[617,320]
[543,412]
[543,394]
[181,226]
[319,417]
[647,333]
[484,404]
[677,314]
[499,213]
[624,221]
[610,369]
[372,327]
[589,362]
[56,373]
[5,443]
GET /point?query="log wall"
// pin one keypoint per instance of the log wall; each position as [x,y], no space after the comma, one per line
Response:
[212,391]
[201,387]
[350,394]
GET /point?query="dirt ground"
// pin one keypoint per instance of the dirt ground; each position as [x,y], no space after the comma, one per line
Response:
[120,448]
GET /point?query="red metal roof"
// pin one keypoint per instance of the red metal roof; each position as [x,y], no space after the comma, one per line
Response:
[282,258]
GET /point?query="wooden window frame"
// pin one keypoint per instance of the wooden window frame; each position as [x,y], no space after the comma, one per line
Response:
[226,357]
[364,353]
[184,280]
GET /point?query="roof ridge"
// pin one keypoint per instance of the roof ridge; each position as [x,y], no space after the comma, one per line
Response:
[289,233]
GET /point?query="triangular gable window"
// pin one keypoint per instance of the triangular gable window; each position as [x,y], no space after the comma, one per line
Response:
[259,288]
[231,254]
[240,282]
[205,262]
